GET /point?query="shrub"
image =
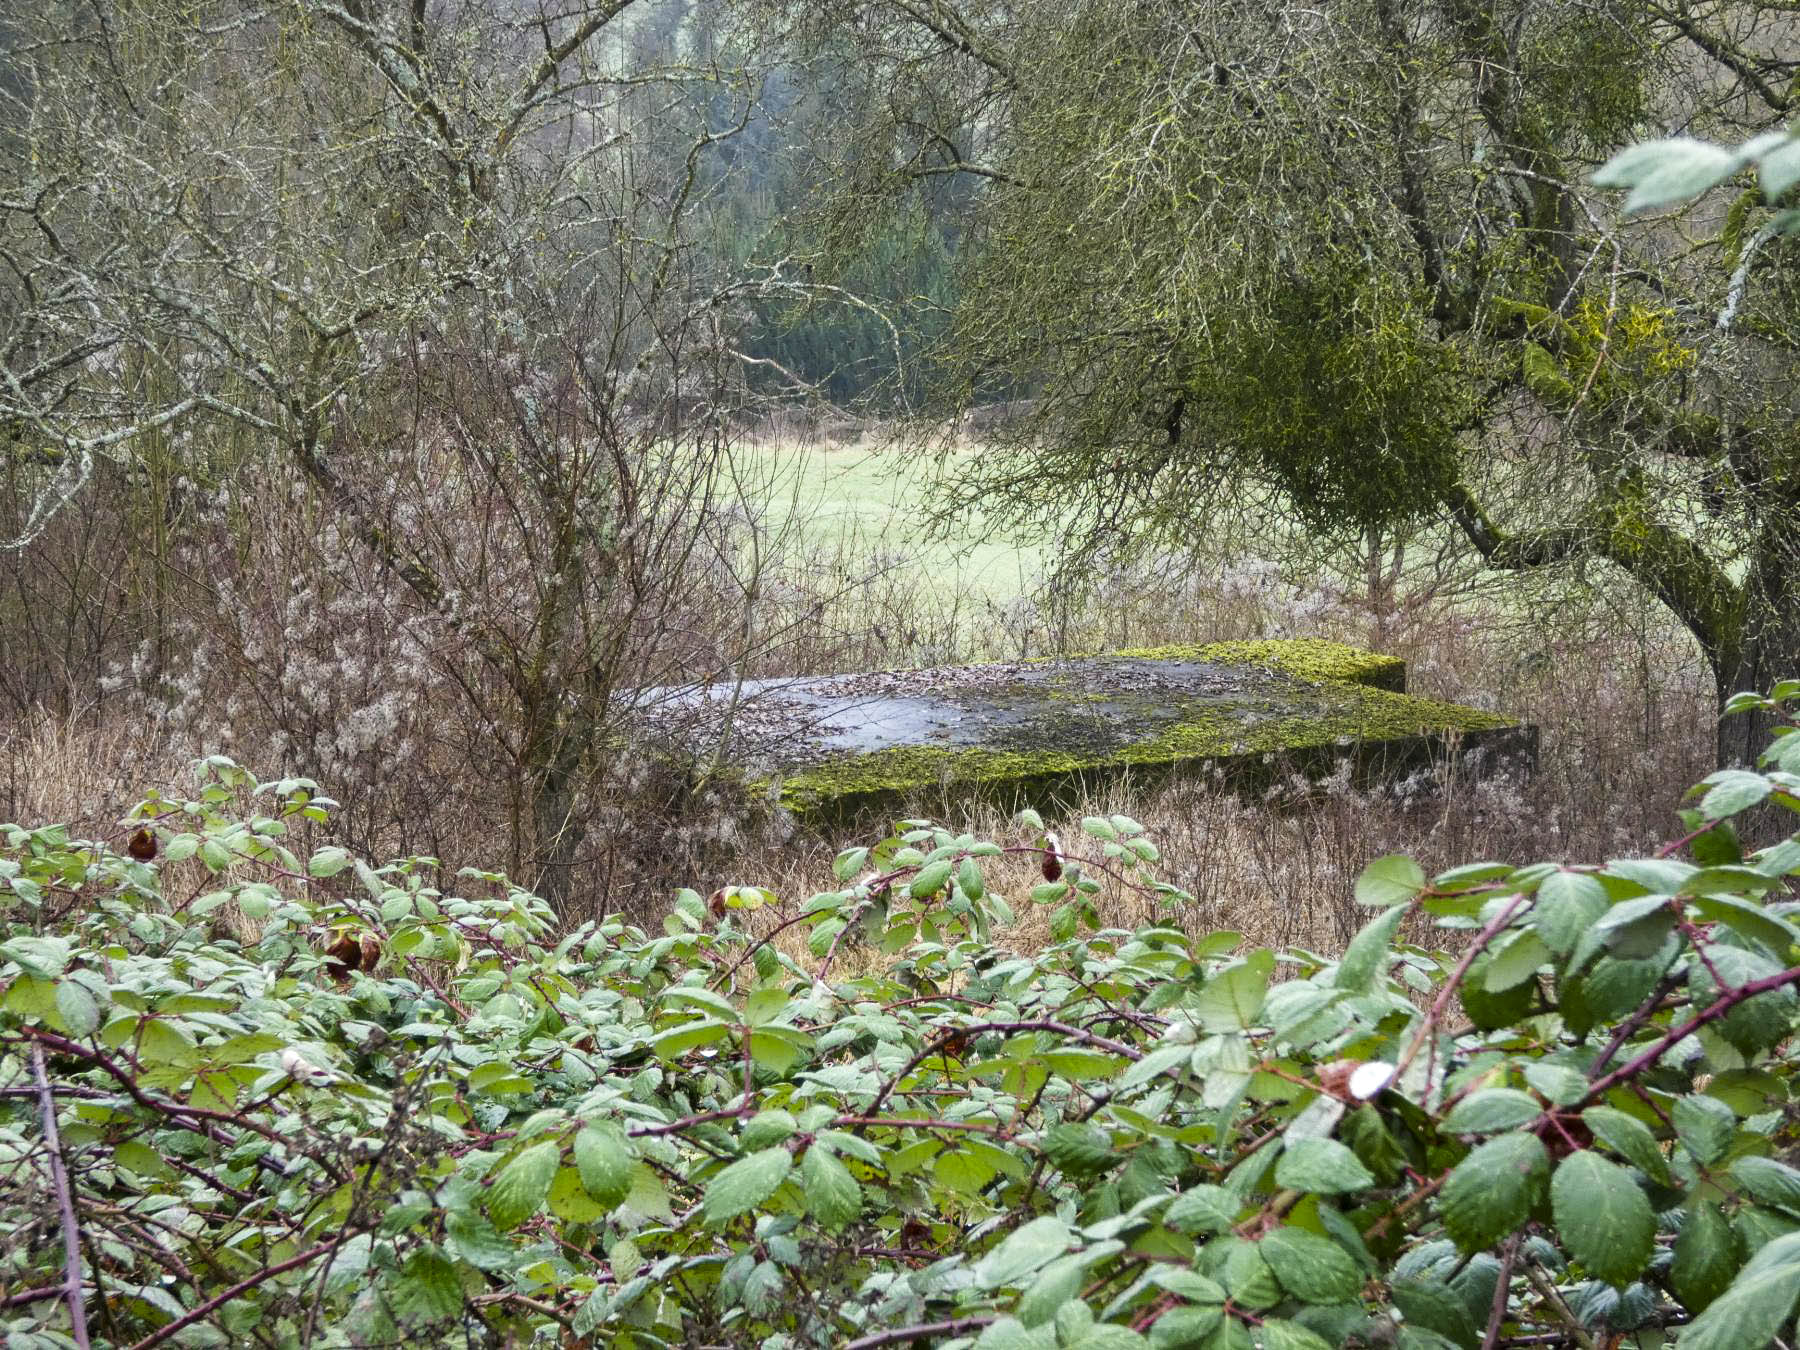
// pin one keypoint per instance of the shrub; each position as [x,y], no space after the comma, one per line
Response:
[255,1096]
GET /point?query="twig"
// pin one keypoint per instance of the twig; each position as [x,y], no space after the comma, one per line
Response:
[1497,1314]
[1440,1005]
[65,1203]
[24,1296]
[1547,1292]
[1722,1005]
[1633,1024]
[219,1300]
[901,1334]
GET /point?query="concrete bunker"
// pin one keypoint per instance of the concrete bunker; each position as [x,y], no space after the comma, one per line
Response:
[836,749]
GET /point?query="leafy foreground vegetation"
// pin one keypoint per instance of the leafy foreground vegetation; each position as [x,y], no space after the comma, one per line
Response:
[311,1101]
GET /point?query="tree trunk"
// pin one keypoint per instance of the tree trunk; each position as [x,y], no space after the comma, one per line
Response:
[1766,652]
[557,830]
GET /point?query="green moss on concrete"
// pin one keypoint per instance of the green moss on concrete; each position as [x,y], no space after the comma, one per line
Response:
[1351,716]
[1355,709]
[907,769]
[1309,659]
[1372,725]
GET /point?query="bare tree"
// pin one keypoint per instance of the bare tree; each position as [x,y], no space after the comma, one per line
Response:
[436,262]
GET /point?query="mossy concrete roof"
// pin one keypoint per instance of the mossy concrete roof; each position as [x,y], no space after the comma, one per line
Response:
[836,747]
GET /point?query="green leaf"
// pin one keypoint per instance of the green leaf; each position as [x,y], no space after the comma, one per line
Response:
[348,1263]
[1392,880]
[1491,1012]
[689,1036]
[1756,1306]
[1187,1328]
[1705,1126]
[1310,1267]
[1609,990]
[767,1128]
[77,1008]
[930,879]
[745,1184]
[1368,952]
[161,1041]
[1024,1250]
[1321,1165]
[1660,173]
[1631,1139]
[1234,996]
[604,1157]
[765,1005]
[570,1200]
[1757,1023]
[1603,1218]
[1751,922]
[1080,1064]
[1436,1307]
[1204,1208]
[1054,1286]
[1491,1193]
[848,863]
[328,861]
[1079,1149]
[1558,1084]
[473,1239]
[1008,1333]
[520,1188]
[1773,1183]
[704,999]
[1707,1256]
[428,1289]
[1246,1276]
[1492,1110]
[44,957]
[832,1195]
[1732,790]
[1277,1333]
[1515,962]
[1636,929]
[969,879]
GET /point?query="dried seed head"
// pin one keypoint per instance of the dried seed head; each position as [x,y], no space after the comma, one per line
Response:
[1335,1077]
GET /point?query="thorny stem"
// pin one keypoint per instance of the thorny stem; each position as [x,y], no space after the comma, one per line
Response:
[1717,1009]
[1547,1292]
[1497,1314]
[65,1203]
[219,1300]
[901,1335]
[1441,1003]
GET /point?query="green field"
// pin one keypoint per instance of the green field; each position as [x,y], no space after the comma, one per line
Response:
[861,502]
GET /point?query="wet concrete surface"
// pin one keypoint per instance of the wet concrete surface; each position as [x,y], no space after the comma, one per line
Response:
[1098,702]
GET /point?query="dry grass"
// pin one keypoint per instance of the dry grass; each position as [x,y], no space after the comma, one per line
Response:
[1621,698]
[1282,873]
[1625,731]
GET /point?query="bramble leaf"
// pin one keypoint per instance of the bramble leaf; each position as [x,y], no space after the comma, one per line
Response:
[745,1184]
[1602,1217]
[1490,1194]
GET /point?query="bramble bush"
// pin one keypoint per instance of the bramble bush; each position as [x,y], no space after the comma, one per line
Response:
[254,1090]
